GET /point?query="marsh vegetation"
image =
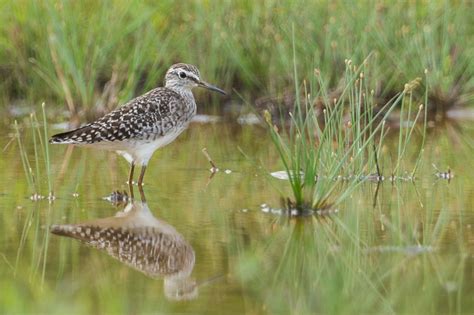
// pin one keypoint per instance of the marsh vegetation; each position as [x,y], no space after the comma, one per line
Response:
[340,163]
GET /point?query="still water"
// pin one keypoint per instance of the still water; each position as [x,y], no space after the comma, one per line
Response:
[203,244]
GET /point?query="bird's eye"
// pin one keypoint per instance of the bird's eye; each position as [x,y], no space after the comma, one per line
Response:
[182,75]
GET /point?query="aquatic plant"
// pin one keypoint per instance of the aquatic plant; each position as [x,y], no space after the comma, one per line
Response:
[345,145]
[35,173]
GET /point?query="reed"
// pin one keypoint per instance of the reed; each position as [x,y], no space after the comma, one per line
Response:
[338,143]
[34,172]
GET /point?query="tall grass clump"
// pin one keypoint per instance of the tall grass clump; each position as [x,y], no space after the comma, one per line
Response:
[439,39]
[90,58]
[340,142]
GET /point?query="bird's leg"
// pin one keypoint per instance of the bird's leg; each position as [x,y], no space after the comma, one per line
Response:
[142,193]
[130,188]
[142,174]
[130,180]
[130,175]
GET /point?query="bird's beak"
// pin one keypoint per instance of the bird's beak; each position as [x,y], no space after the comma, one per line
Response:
[211,87]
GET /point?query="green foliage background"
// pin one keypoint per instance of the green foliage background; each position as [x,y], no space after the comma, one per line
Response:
[88,56]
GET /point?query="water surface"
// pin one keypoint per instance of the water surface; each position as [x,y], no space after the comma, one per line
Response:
[408,250]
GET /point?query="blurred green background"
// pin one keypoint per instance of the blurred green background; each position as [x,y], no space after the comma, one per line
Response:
[86,57]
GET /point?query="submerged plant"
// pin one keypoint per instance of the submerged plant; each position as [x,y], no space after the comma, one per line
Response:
[318,154]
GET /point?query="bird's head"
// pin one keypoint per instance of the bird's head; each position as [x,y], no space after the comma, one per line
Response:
[186,76]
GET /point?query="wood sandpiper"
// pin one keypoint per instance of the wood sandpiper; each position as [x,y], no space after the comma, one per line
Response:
[144,124]
[138,239]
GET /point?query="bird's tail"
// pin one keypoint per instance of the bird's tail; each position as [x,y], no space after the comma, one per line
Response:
[65,229]
[84,233]
[69,137]
[91,235]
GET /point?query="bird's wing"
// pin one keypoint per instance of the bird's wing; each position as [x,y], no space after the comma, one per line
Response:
[153,113]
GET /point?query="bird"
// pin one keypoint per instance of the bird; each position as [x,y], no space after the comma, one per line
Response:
[135,237]
[146,123]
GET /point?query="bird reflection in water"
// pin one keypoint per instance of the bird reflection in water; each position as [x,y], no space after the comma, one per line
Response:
[138,239]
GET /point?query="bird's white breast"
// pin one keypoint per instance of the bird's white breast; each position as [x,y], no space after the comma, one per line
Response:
[140,151]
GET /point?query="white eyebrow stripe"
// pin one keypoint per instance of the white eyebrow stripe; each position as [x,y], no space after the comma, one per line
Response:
[190,75]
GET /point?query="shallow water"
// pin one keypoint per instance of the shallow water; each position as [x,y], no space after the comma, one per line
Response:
[408,250]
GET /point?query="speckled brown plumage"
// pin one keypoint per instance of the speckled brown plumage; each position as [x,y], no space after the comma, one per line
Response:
[146,249]
[144,118]
[138,239]
[144,124]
